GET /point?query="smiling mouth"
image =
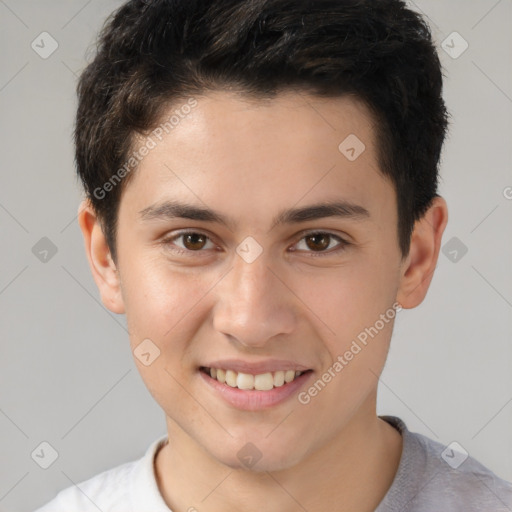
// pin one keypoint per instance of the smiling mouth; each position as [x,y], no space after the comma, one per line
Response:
[247,381]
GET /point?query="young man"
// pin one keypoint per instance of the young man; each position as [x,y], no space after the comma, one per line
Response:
[261,183]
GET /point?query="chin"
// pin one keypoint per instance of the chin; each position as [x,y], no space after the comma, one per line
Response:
[259,456]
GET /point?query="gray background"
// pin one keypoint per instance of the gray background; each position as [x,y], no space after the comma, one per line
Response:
[66,373]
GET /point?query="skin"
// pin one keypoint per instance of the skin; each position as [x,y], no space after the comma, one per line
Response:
[249,161]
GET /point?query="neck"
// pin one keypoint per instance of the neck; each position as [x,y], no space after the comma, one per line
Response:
[353,471]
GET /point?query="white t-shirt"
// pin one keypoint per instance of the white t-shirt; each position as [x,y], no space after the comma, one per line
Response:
[424,482]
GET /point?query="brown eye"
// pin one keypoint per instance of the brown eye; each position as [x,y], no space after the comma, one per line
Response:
[321,243]
[188,242]
[194,241]
[318,241]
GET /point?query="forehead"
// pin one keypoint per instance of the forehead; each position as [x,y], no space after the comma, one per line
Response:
[290,119]
[246,154]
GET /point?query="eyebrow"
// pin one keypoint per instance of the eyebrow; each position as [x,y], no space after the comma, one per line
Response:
[169,210]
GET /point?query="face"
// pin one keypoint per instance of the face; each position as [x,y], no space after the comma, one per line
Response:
[229,259]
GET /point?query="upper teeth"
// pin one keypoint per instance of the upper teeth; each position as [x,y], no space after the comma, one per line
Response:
[260,382]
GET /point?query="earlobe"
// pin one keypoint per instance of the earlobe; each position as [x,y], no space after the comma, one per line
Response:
[102,266]
[418,268]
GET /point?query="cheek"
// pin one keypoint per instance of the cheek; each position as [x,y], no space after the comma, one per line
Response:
[354,308]
[164,307]
[161,303]
[347,299]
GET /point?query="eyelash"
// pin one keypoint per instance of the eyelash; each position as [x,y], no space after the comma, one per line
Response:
[342,244]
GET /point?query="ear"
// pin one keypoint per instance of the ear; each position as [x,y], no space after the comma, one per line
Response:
[418,268]
[103,268]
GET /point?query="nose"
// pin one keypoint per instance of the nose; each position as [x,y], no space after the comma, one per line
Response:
[253,304]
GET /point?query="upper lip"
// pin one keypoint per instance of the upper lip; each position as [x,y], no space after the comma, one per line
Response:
[255,368]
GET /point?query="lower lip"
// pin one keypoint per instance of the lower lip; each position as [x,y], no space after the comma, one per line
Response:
[254,400]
